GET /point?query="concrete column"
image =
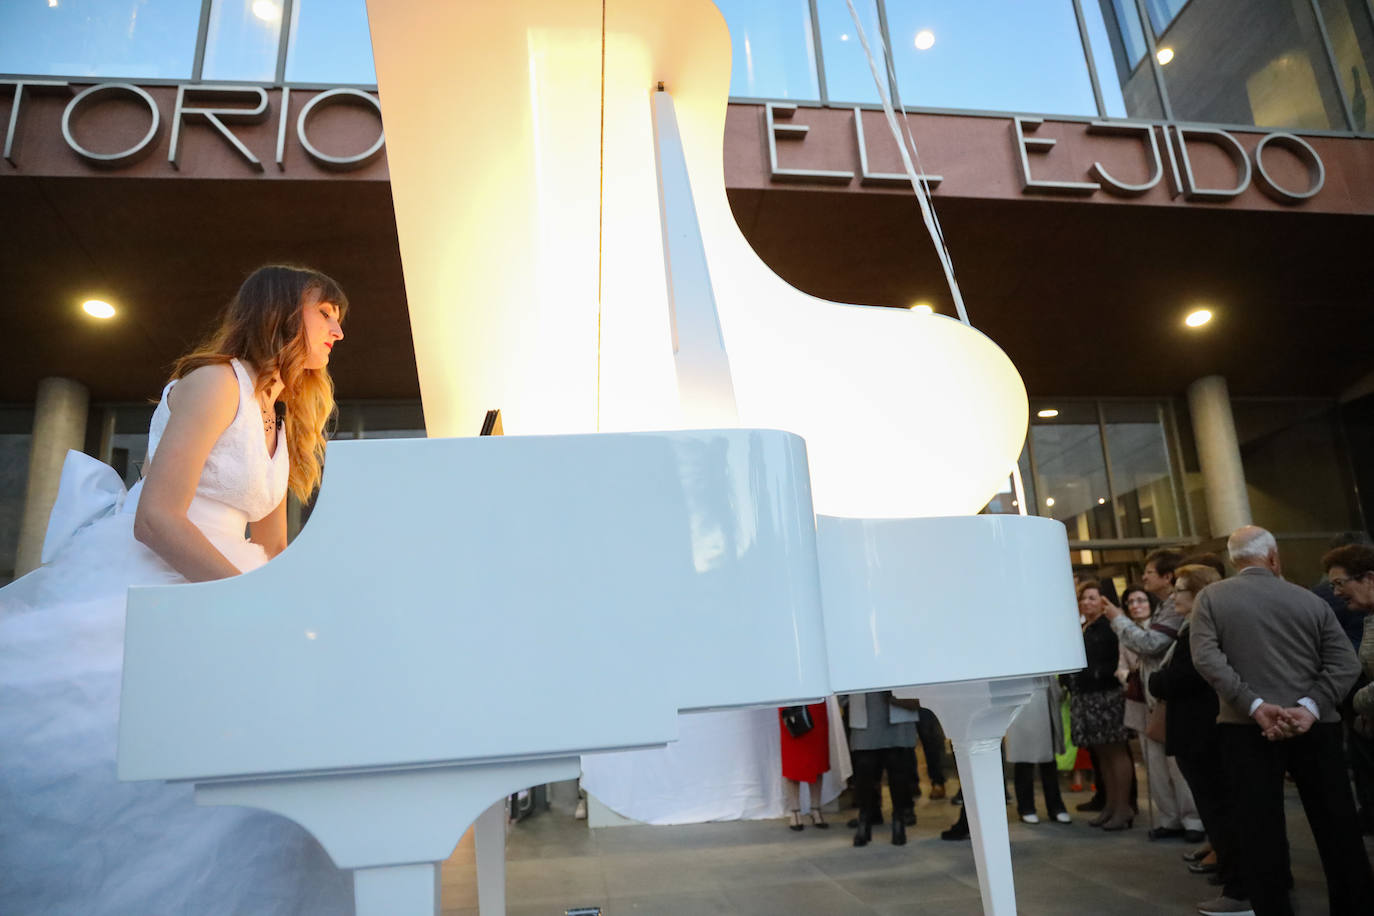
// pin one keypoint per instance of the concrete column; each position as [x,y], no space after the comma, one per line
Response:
[1218,452]
[59,424]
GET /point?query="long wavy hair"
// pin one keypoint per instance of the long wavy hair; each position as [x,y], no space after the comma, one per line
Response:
[262,325]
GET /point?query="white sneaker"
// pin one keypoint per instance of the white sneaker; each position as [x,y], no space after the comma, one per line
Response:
[1063,817]
[1030,818]
[581,812]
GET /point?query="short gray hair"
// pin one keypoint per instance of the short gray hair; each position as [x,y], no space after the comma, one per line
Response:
[1249,544]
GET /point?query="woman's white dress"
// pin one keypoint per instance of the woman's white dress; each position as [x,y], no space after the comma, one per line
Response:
[74,840]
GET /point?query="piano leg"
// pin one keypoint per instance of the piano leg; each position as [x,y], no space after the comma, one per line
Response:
[975,715]
[489,839]
[393,828]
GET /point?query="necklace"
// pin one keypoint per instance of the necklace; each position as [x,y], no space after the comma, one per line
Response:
[269,419]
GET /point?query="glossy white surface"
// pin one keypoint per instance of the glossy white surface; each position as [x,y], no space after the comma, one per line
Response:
[937,600]
[637,555]
[500,206]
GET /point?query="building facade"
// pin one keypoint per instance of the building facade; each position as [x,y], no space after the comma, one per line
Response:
[1100,170]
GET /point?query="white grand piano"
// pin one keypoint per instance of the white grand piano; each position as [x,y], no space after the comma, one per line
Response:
[706,471]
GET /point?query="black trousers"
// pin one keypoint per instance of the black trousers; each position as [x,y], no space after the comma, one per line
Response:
[932,738]
[868,779]
[1206,777]
[1255,769]
[1024,776]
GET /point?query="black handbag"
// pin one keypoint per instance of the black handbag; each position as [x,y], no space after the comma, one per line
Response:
[797,720]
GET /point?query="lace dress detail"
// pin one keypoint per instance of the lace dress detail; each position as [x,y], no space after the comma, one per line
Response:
[238,471]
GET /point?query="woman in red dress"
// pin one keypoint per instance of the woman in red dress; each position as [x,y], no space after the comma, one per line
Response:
[804,758]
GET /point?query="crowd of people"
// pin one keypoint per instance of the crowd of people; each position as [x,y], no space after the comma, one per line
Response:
[1224,685]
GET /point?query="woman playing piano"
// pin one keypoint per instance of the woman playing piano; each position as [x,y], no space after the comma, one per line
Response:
[241,422]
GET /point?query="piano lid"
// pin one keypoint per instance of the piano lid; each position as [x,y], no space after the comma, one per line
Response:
[530,234]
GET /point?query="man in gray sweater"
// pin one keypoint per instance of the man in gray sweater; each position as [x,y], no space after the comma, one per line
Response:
[1281,665]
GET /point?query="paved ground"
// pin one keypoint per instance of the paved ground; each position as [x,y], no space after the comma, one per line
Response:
[759,868]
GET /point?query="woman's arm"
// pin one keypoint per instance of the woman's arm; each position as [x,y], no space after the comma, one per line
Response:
[269,532]
[203,404]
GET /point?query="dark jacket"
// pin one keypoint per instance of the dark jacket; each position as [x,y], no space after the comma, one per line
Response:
[1191,717]
[1101,648]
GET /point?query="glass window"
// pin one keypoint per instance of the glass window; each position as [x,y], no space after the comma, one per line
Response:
[1249,63]
[773,50]
[1123,72]
[1276,439]
[1352,42]
[153,39]
[1070,472]
[989,55]
[1162,12]
[1146,503]
[330,43]
[242,40]
[848,78]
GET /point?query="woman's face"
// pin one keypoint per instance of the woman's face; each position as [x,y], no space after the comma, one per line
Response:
[1138,606]
[1183,598]
[320,329]
[1090,603]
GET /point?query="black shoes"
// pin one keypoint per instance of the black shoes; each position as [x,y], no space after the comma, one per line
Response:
[864,833]
[1092,804]
[908,818]
[1170,833]
[958,832]
[854,822]
[899,832]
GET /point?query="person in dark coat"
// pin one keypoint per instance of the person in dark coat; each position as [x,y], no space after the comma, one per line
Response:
[1191,729]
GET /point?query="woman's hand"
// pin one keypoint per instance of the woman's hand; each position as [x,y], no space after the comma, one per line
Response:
[1111,610]
[203,404]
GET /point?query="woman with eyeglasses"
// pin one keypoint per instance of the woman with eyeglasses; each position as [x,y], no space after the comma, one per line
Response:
[1191,731]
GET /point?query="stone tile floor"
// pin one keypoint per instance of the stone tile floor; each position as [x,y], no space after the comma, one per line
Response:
[759,868]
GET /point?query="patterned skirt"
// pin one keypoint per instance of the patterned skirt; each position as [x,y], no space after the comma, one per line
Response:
[1098,717]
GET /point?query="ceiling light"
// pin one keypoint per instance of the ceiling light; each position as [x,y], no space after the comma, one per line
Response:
[266,10]
[1198,318]
[1049,413]
[923,308]
[924,39]
[1102,500]
[1164,55]
[98,308]
[1049,500]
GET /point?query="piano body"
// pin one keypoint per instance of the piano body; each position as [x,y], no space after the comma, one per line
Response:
[576,264]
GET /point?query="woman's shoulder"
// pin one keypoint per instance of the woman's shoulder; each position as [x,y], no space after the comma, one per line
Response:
[212,390]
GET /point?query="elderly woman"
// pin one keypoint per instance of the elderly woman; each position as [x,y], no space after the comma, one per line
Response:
[1097,706]
[1190,728]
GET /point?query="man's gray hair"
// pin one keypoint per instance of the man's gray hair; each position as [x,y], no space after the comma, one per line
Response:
[1249,544]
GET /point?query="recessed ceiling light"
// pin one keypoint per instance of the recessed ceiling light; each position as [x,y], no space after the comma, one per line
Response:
[924,39]
[1164,55]
[1102,500]
[1049,500]
[1049,413]
[98,308]
[924,308]
[266,10]
[1198,318]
